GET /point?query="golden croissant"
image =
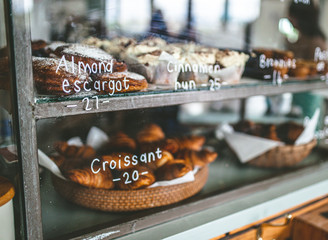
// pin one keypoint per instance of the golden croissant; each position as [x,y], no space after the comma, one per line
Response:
[84,152]
[85,177]
[136,178]
[122,142]
[166,157]
[173,169]
[173,145]
[151,133]
[197,158]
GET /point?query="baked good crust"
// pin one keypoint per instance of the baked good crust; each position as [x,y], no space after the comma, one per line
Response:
[48,81]
[89,55]
[135,82]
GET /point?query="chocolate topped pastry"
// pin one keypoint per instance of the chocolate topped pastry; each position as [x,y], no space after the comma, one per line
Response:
[51,76]
[84,54]
[119,82]
[38,48]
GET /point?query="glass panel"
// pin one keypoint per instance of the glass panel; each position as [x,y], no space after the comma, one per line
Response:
[11,214]
[145,53]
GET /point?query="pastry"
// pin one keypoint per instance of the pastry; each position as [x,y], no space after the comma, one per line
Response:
[173,145]
[120,160]
[304,68]
[248,127]
[66,164]
[73,151]
[38,48]
[283,54]
[275,53]
[136,178]
[149,134]
[85,177]
[173,169]
[119,82]
[121,142]
[51,48]
[52,77]
[197,158]
[230,58]
[91,56]
[58,159]
[166,157]
[114,46]
[289,132]
[269,131]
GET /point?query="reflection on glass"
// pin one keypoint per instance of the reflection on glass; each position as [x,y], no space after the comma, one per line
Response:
[237,12]
[174,13]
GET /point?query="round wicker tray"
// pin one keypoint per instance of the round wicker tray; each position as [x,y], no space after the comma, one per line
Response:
[119,201]
[283,156]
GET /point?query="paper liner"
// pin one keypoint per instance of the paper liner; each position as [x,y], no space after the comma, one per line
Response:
[309,132]
[97,138]
[47,163]
[230,75]
[248,147]
[154,73]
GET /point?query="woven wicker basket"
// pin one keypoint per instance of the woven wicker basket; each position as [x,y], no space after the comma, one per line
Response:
[283,156]
[119,201]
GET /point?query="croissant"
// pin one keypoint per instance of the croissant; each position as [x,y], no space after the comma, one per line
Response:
[120,160]
[173,145]
[260,130]
[49,76]
[269,131]
[86,177]
[38,48]
[84,152]
[166,157]
[151,133]
[89,55]
[247,127]
[197,158]
[136,178]
[59,160]
[173,169]
[289,132]
[122,142]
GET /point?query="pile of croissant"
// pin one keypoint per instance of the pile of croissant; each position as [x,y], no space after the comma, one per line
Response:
[287,132]
[179,156]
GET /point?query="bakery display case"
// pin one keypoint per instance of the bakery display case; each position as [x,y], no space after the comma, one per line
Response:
[136,118]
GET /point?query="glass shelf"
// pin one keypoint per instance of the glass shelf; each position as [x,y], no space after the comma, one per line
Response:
[47,107]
